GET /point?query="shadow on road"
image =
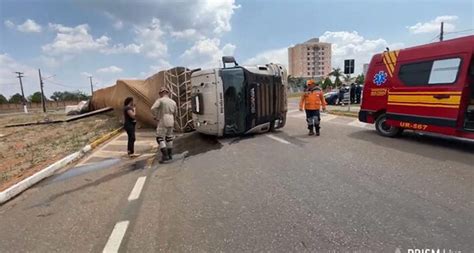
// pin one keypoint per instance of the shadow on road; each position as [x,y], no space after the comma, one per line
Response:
[196,143]
[435,147]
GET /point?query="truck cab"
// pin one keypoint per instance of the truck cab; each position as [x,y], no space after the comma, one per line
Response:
[425,88]
[239,100]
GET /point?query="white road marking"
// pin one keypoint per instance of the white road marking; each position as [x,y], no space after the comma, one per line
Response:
[137,189]
[115,239]
[271,136]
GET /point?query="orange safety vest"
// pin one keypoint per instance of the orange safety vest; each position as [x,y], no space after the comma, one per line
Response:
[313,100]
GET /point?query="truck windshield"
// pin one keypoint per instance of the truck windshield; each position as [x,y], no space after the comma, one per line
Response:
[234,100]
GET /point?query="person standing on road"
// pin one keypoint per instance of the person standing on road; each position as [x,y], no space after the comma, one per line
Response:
[164,110]
[352,92]
[312,101]
[341,95]
[129,125]
[358,91]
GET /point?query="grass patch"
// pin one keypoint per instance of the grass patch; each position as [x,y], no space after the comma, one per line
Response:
[295,95]
[344,113]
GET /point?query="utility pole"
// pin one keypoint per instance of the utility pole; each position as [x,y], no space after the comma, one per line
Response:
[42,93]
[92,87]
[441,34]
[20,75]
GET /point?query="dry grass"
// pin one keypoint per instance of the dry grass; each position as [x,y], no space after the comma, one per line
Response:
[344,113]
[25,150]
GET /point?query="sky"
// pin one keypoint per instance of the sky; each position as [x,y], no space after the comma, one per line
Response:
[70,40]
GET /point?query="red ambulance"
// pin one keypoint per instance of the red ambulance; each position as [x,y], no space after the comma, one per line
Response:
[424,88]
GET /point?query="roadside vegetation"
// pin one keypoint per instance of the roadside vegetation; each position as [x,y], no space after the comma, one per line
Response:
[26,150]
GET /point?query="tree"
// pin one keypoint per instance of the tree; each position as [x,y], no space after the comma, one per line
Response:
[296,83]
[348,78]
[337,73]
[16,98]
[360,79]
[3,99]
[35,98]
[68,96]
[57,95]
[327,83]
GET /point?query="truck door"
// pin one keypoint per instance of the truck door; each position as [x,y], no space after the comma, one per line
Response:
[427,94]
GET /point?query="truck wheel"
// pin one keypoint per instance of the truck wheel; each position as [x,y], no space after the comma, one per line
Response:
[386,130]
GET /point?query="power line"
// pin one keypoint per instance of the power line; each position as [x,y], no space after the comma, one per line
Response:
[435,37]
[462,31]
[63,85]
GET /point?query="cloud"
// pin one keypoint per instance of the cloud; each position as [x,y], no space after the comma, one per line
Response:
[29,26]
[151,39]
[206,53]
[118,25]
[188,34]
[351,45]
[434,25]
[9,24]
[155,68]
[279,55]
[75,40]
[210,17]
[110,69]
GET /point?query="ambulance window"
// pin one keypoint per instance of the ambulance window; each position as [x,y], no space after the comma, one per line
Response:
[415,74]
[433,72]
[444,71]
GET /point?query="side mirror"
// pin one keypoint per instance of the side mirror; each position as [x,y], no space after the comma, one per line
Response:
[229,59]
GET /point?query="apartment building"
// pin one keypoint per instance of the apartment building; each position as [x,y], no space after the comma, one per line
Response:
[311,59]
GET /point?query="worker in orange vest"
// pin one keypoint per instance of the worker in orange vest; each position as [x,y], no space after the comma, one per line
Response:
[311,101]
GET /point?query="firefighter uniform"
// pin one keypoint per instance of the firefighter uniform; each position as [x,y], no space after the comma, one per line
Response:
[312,101]
[164,110]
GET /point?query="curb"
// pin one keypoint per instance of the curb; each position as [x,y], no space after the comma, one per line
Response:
[26,183]
[339,113]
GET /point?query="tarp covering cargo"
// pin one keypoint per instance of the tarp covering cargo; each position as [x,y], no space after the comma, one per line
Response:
[145,92]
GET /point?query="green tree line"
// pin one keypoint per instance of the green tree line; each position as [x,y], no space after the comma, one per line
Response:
[36,97]
[299,83]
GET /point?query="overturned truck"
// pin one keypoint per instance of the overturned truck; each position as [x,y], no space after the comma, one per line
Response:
[145,92]
[223,102]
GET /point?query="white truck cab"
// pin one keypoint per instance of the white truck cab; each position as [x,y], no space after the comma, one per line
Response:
[239,100]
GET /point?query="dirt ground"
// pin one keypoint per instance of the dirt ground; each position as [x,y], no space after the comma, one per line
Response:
[26,150]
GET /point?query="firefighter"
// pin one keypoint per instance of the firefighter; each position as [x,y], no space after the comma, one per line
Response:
[164,110]
[312,101]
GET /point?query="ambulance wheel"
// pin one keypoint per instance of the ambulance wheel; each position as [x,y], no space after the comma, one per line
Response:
[386,130]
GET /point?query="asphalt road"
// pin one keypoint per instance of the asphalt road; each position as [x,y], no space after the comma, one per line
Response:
[347,190]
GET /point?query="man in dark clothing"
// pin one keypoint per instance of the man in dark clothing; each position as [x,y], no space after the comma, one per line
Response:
[341,95]
[129,125]
[358,92]
[352,93]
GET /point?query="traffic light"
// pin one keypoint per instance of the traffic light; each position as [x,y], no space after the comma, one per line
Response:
[349,66]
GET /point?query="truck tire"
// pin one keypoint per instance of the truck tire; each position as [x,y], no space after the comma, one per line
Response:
[386,130]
